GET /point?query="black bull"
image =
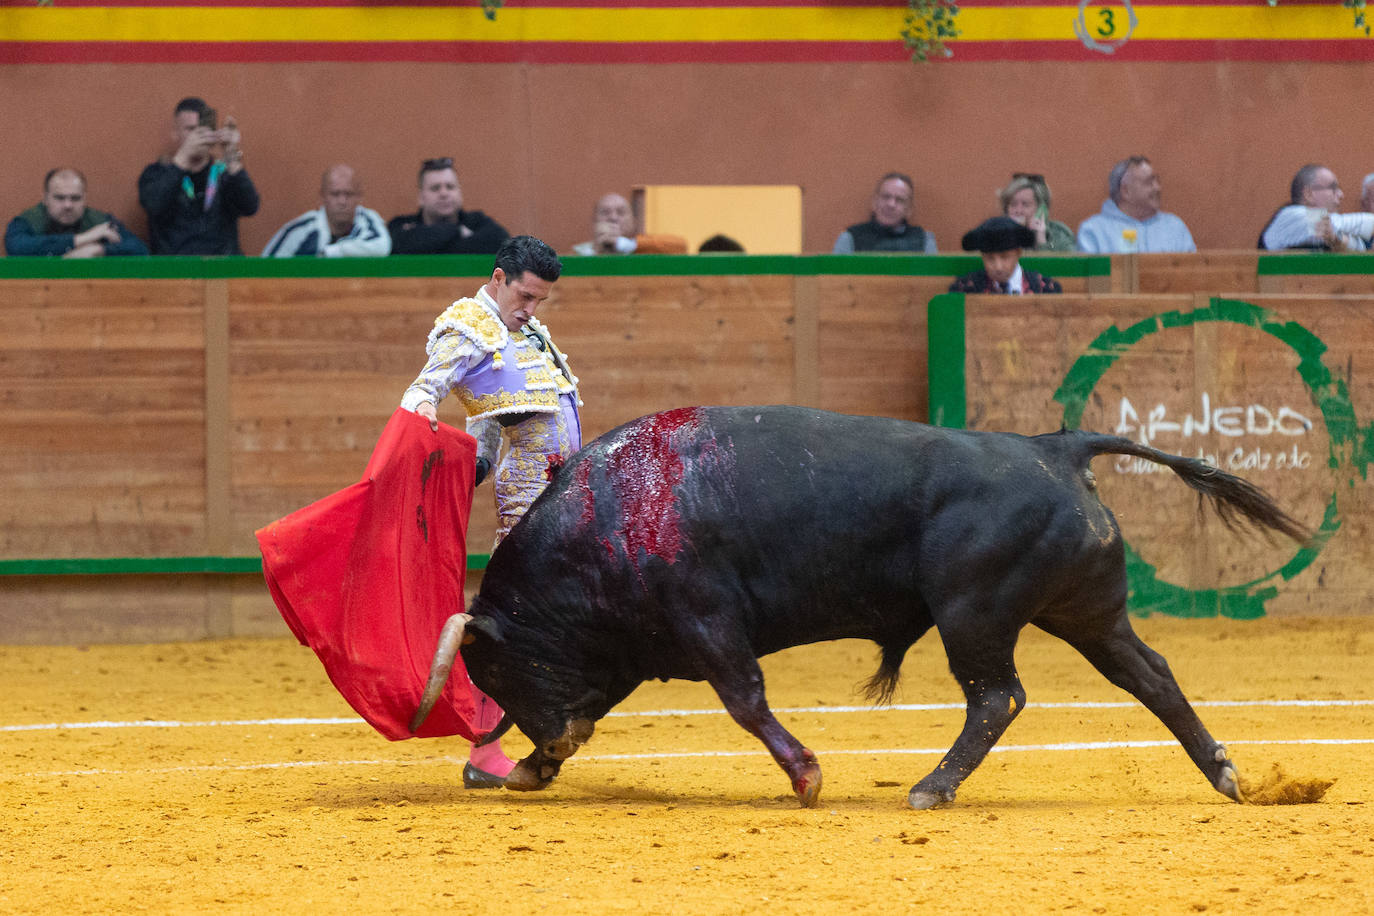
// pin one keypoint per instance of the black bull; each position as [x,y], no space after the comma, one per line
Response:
[689,543]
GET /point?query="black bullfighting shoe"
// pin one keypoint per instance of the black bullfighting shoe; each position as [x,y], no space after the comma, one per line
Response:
[474,778]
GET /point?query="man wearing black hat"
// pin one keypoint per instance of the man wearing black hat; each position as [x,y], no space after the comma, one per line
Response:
[1000,241]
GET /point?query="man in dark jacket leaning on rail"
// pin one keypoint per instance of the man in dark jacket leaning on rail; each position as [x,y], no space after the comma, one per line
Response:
[61,224]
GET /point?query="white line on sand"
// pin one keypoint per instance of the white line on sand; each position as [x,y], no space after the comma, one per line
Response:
[661,713]
[616,758]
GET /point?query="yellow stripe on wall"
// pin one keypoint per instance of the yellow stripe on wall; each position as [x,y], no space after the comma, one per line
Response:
[696,24]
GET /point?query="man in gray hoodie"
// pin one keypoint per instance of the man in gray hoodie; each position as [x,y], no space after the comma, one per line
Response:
[1131,220]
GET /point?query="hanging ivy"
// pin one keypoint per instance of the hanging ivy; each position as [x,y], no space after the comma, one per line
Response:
[928,24]
[1355,6]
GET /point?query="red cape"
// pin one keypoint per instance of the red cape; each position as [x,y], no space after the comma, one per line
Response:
[367,577]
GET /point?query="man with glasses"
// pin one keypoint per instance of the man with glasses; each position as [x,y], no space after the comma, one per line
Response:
[340,228]
[1131,219]
[1310,219]
[493,354]
[442,226]
[887,228]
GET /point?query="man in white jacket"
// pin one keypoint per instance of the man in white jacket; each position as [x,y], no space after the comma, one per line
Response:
[1311,220]
[341,228]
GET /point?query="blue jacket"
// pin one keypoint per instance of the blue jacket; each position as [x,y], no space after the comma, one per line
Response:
[34,233]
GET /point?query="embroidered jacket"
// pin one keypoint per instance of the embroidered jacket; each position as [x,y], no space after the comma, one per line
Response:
[489,369]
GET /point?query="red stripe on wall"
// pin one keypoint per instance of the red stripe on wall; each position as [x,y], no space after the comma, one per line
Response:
[1353,50]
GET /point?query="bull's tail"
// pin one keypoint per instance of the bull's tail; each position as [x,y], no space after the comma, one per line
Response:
[1233,498]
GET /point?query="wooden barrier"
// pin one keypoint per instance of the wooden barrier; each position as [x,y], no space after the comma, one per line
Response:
[167,408]
[1203,271]
[1316,273]
[1275,388]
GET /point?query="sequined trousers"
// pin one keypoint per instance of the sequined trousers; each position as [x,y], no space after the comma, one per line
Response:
[534,448]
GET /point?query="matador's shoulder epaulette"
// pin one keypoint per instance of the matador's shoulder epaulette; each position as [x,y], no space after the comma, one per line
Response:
[474,321]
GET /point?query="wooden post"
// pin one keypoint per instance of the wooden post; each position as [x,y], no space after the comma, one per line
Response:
[218,482]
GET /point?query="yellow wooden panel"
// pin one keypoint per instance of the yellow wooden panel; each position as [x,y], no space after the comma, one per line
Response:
[765,219]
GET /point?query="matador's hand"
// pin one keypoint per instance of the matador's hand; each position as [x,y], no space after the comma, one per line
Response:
[428,411]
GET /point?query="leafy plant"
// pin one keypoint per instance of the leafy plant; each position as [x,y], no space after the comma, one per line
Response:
[1357,7]
[929,23]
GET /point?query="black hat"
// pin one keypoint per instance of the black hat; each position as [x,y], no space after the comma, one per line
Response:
[1001,233]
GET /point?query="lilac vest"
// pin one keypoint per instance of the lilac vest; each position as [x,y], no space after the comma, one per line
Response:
[518,377]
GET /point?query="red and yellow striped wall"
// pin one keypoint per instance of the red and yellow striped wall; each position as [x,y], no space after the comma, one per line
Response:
[661,31]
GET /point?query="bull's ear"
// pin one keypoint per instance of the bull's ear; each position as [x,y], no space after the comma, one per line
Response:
[479,627]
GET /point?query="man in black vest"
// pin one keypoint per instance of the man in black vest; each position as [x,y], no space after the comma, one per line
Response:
[888,229]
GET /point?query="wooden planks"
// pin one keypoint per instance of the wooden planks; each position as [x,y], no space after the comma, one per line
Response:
[1269,388]
[102,442]
[1202,271]
[174,416]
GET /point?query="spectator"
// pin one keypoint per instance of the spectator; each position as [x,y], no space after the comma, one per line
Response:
[720,243]
[613,232]
[341,228]
[1000,241]
[1027,200]
[62,224]
[194,199]
[887,229]
[1131,219]
[442,226]
[1367,193]
[1310,220]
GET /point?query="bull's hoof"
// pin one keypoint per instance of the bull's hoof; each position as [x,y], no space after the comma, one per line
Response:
[527,778]
[921,799]
[808,786]
[474,778]
[1228,784]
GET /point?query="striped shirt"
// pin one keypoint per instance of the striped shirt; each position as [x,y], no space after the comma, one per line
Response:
[308,234]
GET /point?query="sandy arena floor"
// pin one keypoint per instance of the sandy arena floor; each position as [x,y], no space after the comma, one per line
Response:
[230,777]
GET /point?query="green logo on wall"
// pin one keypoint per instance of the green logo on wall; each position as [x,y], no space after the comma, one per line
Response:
[1350,448]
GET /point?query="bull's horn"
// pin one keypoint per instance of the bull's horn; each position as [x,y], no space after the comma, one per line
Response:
[449,641]
[495,734]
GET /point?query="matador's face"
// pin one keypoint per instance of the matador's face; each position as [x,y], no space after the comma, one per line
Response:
[518,297]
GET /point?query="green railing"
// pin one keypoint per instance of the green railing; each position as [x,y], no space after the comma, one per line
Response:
[468,265]
[1316,262]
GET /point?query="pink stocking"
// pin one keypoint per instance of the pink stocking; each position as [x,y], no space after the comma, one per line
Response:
[489,758]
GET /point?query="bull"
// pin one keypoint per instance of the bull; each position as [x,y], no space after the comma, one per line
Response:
[689,543]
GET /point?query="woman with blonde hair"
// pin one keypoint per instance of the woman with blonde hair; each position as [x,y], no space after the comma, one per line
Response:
[1027,200]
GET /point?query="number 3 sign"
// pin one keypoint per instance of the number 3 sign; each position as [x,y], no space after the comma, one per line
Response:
[1105,34]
